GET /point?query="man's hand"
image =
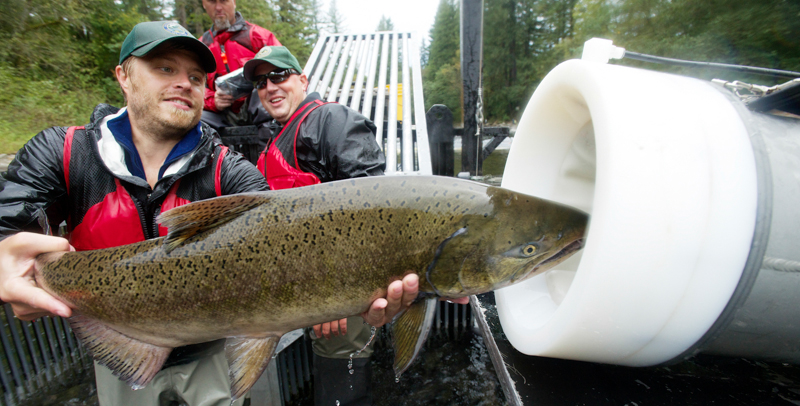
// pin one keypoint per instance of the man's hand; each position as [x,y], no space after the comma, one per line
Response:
[331,328]
[222,100]
[17,284]
[399,297]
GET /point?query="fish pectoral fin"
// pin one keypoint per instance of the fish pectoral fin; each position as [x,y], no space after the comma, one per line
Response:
[133,361]
[190,219]
[410,330]
[247,360]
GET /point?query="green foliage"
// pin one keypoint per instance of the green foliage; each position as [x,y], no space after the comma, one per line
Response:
[30,106]
[521,39]
[442,72]
[58,56]
[385,24]
[525,39]
[293,26]
[335,19]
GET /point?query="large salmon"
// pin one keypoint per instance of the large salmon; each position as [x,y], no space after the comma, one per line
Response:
[252,267]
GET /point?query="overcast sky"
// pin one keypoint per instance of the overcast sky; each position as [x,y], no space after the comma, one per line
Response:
[407,15]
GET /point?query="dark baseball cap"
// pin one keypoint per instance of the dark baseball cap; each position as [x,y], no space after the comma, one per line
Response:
[144,37]
[280,57]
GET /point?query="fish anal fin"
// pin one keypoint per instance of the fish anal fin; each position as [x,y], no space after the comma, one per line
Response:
[133,361]
[247,360]
[410,330]
[190,219]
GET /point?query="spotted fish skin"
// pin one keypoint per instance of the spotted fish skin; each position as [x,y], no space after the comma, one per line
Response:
[261,264]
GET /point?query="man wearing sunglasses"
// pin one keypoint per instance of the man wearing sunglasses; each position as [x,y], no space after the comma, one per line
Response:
[318,142]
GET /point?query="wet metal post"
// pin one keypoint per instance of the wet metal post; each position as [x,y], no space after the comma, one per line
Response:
[471,61]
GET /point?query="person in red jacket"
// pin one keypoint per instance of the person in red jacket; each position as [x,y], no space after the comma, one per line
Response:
[233,41]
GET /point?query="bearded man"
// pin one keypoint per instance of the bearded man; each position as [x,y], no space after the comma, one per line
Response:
[112,177]
[233,41]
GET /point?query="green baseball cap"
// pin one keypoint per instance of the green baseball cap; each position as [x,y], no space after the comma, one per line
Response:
[280,57]
[144,37]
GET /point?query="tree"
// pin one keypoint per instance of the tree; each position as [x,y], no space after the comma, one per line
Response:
[442,73]
[747,32]
[385,24]
[294,26]
[317,22]
[335,19]
[523,39]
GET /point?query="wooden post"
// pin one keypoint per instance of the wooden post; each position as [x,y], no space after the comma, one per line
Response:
[440,137]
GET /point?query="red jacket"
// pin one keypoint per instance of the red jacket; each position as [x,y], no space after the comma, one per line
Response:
[240,42]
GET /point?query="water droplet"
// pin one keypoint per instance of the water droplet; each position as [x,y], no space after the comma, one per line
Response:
[355,354]
[397,379]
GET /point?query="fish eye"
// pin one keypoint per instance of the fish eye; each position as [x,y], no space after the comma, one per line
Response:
[529,250]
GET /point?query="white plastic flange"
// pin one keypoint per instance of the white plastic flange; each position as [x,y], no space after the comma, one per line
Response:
[601,50]
[664,166]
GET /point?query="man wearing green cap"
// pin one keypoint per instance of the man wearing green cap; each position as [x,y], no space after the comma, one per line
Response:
[326,141]
[111,178]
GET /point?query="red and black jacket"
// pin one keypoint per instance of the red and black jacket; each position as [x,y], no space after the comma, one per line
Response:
[79,178]
[323,141]
[74,182]
[232,48]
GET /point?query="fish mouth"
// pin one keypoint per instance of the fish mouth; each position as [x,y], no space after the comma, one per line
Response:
[554,259]
[568,250]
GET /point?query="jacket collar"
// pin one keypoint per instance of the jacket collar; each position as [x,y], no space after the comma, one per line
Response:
[119,154]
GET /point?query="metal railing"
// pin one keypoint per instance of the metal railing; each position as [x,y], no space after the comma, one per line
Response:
[37,357]
[344,68]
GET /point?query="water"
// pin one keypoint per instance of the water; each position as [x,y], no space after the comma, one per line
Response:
[454,372]
[355,354]
[75,392]
[493,165]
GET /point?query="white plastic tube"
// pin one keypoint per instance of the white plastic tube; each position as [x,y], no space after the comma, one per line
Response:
[665,167]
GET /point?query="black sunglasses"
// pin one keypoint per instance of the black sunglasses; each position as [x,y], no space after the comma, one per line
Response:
[276,77]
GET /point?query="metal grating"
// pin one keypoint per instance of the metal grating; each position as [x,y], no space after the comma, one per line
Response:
[344,68]
[37,357]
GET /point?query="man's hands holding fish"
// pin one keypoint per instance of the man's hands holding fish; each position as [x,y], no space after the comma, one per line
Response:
[18,286]
[399,296]
[17,283]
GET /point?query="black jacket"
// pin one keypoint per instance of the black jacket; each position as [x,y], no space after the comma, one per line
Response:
[335,142]
[35,179]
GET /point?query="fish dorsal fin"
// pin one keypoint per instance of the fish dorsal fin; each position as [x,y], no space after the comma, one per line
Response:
[410,330]
[247,360]
[190,219]
[133,361]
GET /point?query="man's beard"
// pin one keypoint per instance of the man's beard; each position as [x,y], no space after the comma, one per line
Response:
[221,24]
[172,124]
